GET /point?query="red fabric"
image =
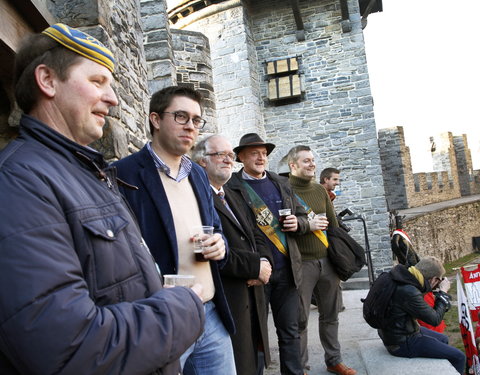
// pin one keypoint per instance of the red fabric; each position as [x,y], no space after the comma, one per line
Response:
[472,276]
[331,194]
[477,330]
[430,299]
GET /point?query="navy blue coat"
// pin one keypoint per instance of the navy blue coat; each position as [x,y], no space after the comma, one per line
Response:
[79,291]
[150,205]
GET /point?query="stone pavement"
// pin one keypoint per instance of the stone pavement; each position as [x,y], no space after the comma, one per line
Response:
[362,349]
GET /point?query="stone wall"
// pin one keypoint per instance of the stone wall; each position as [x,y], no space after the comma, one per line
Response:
[157,40]
[117,25]
[404,189]
[234,68]
[194,69]
[335,115]
[444,158]
[445,233]
[396,167]
[467,177]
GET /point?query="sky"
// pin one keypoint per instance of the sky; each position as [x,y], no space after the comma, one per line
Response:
[424,60]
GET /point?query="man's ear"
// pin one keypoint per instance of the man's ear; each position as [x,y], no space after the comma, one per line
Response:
[291,166]
[202,163]
[46,79]
[155,119]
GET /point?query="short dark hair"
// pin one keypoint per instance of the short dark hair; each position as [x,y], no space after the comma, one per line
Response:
[292,155]
[327,173]
[39,49]
[163,98]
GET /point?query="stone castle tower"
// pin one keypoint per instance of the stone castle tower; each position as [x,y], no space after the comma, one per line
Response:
[294,71]
[293,74]
[453,175]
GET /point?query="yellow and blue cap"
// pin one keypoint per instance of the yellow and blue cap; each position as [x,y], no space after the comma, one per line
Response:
[81,43]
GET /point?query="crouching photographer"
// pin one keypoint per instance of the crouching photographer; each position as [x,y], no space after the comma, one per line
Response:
[401,333]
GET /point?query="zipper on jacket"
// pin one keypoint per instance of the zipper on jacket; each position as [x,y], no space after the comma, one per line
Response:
[101,175]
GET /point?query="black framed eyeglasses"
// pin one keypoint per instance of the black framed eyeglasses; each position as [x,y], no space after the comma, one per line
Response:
[222,155]
[183,118]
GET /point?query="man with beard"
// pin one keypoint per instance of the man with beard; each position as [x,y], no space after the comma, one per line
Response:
[248,267]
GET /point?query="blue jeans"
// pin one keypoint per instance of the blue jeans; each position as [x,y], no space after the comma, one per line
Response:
[212,353]
[284,300]
[431,344]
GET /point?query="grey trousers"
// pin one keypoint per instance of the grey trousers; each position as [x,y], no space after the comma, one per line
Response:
[321,281]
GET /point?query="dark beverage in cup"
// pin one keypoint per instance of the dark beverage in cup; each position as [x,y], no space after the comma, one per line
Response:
[282,214]
[199,256]
[200,234]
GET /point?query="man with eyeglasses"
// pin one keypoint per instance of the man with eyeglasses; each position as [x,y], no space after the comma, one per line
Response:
[173,197]
[248,267]
[266,193]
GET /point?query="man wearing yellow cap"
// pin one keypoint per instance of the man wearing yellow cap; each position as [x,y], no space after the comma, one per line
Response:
[80,293]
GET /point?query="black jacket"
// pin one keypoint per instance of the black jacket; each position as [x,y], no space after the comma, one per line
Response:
[247,304]
[407,305]
[289,201]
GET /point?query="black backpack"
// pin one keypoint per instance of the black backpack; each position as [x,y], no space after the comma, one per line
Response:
[376,304]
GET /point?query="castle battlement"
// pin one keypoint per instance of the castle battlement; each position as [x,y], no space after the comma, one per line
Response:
[453,177]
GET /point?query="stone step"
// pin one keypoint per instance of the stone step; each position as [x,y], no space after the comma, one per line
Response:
[362,349]
[356,283]
[362,273]
[378,361]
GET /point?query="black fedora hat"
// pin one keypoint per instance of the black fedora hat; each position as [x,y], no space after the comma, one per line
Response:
[252,140]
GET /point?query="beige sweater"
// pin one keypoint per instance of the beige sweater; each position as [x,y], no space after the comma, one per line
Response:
[186,216]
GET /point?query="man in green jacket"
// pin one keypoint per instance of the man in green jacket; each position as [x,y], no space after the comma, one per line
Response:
[319,278]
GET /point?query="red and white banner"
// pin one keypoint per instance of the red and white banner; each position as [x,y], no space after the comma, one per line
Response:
[466,329]
[471,279]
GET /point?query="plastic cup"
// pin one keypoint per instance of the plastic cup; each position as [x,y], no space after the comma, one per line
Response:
[178,280]
[282,214]
[200,234]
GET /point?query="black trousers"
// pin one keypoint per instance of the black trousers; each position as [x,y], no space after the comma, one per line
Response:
[284,301]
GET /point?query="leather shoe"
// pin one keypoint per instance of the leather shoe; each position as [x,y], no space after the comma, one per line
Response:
[341,369]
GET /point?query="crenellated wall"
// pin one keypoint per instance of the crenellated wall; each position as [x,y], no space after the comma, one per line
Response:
[453,176]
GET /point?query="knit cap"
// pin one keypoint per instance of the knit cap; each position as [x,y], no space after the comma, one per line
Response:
[81,43]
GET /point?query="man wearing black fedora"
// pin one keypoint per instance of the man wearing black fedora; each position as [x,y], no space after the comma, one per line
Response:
[267,193]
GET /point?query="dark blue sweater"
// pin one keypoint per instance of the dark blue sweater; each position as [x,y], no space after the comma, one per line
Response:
[269,193]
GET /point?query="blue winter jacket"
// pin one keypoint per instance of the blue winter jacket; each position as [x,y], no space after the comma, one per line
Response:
[79,291]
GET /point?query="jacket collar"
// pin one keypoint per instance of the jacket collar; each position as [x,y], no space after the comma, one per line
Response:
[30,127]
